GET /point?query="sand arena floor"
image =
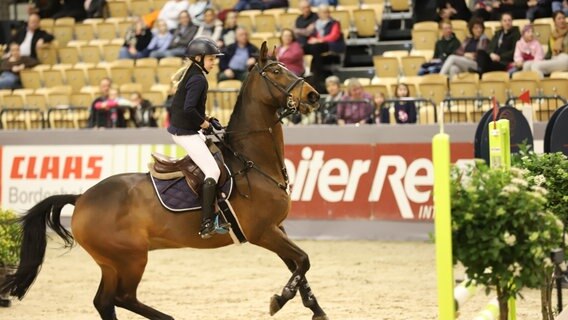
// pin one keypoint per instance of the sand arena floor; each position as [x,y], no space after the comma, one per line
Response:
[361,280]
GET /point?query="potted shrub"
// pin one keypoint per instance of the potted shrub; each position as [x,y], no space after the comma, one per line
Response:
[9,248]
[501,230]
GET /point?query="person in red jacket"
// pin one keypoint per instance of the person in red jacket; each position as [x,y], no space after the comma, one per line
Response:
[290,52]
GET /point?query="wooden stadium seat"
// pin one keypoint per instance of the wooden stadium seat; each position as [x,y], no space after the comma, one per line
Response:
[490,88]
[96,75]
[15,119]
[426,114]
[428,54]
[424,39]
[122,27]
[461,33]
[411,64]
[90,54]
[47,24]
[126,89]
[378,8]
[47,55]
[460,89]
[426,25]
[542,32]
[84,31]
[224,4]
[559,75]
[111,51]
[147,62]
[265,23]
[398,54]
[400,5]
[521,23]
[374,89]
[433,78]
[433,91]
[81,99]
[65,21]
[365,23]
[496,76]
[118,8]
[256,40]
[466,77]
[554,87]
[31,79]
[386,66]
[158,4]
[124,63]
[68,55]
[171,62]
[165,74]
[272,42]
[58,99]
[13,101]
[63,34]
[139,8]
[288,20]
[348,3]
[75,78]
[106,31]
[156,98]
[145,76]
[53,78]
[61,89]
[344,19]
[526,75]
[121,75]
[246,22]
[516,87]
[164,89]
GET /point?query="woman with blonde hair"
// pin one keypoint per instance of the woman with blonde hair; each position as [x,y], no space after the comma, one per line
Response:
[356,106]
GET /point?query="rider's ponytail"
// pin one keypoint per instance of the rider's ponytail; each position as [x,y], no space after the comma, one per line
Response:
[180,73]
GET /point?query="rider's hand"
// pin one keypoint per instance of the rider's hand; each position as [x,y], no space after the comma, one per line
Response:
[215,123]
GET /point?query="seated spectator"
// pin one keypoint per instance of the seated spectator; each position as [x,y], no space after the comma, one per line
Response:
[334,95]
[527,51]
[516,8]
[305,24]
[96,8]
[560,5]
[326,40]
[317,3]
[171,10]
[404,110]
[356,106]
[445,46]
[379,107]
[104,112]
[142,112]
[483,9]
[160,41]
[290,52]
[211,27]
[11,67]
[197,11]
[260,4]
[228,34]
[32,37]
[72,8]
[454,10]
[501,48]
[44,8]
[464,58]
[137,39]
[238,58]
[557,55]
[538,9]
[184,33]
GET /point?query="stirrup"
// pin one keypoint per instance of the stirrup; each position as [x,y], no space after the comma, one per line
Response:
[207,229]
[221,227]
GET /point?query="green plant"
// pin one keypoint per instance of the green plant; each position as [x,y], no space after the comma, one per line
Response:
[9,239]
[502,233]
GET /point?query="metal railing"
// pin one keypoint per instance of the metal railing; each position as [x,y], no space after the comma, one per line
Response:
[465,109]
[543,106]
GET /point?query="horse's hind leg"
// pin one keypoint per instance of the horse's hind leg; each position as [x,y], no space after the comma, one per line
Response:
[130,271]
[104,299]
[276,241]
[308,298]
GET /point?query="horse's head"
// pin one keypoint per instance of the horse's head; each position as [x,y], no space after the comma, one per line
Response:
[292,92]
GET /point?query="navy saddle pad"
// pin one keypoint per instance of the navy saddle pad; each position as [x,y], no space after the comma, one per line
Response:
[175,195]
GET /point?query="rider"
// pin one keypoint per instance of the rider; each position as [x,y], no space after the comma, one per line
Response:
[188,118]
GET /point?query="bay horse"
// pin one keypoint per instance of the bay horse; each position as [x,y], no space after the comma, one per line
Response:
[118,220]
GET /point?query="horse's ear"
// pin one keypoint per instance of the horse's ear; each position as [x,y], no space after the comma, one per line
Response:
[263,53]
[273,56]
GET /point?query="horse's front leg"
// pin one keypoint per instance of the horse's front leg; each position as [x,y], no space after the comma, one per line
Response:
[275,240]
[308,298]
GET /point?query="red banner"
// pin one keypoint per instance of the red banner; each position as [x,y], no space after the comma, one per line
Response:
[386,181]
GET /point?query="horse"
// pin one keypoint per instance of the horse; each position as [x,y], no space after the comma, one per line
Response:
[118,220]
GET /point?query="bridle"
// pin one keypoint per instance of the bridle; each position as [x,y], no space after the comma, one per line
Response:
[291,106]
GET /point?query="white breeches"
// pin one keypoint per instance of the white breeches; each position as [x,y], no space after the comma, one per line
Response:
[197,150]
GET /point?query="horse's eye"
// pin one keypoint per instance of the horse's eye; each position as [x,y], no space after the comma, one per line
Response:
[276,71]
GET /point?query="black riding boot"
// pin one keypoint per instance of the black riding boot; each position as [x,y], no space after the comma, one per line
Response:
[208,193]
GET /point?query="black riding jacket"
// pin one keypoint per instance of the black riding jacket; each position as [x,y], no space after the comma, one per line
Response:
[188,106]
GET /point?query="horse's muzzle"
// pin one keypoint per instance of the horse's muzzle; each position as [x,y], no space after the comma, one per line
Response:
[313,97]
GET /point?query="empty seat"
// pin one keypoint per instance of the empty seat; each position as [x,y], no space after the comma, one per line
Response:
[386,66]
[459,89]
[554,87]
[52,78]
[496,76]
[68,55]
[147,62]
[117,8]
[433,91]
[120,75]
[492,88]
[106,31]
[31,78]
[145,76]
[265,23]
[171,61]
[63,34]
[75,78]
[90,53]
[111,52]
[127,89]
[424,39]
[84,31]
[47,55]
[139,8]
[411,65]
[288,20]
[96,75]
[517,87]
[365,23]
[165,73]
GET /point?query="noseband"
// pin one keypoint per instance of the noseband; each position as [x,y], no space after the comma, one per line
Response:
[292,104]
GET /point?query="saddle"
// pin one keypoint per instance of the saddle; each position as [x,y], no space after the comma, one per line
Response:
[167,168]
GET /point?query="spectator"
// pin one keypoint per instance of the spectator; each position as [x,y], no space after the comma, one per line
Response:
[137,39]
[184,33]
[483,9]
[326,40]
[142,112]
[31,37]
[445,46]
[317,3]
[538,9]
[238,58]
[527,51]
[404,110]
[290,52]
[171,10]
[104,112]
[197,11]
[560,5]
[501,49]
[72,8]
[44,8]
[305,24]
[355,107]
[228,34]
[464,58]
[379,108]
[95,8]
[454,10]
[334,95]
[211,27]
[516,8]
[11,67]
[557,55]
[260,4]
[160,41]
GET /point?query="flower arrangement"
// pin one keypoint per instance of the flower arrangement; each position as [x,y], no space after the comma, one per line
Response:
[9,239]
[501,230]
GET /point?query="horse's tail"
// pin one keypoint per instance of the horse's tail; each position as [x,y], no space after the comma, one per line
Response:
[34,241]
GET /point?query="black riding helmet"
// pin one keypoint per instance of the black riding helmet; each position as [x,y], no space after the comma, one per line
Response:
[202,47]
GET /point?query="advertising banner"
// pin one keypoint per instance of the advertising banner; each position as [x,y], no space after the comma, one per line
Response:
[366,181]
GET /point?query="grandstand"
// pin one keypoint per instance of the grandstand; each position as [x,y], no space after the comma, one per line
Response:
[58,92]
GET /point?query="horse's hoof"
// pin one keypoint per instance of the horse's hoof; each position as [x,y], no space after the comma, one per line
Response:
[322,317]
[274,305]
